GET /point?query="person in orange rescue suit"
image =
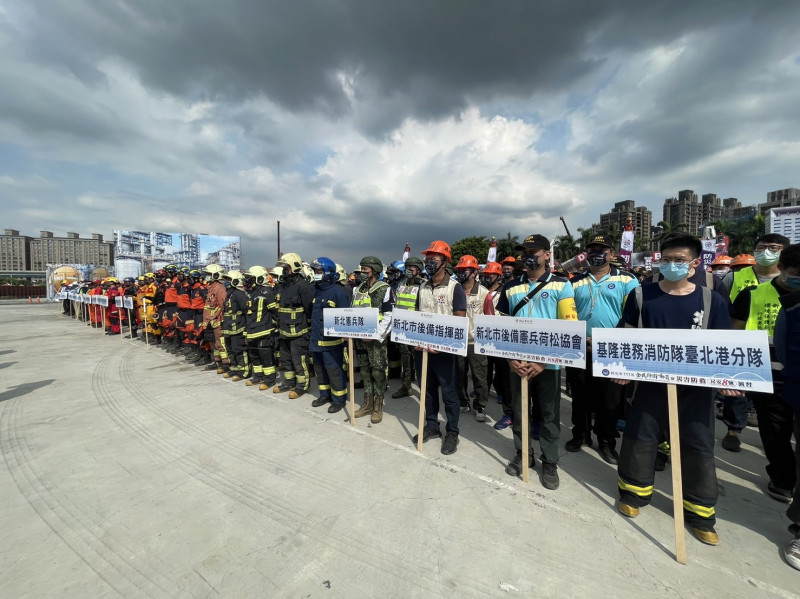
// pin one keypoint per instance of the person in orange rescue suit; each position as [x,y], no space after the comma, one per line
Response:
[197,353]
[262,310]
[112,311]
[234,322]
[170,306]
[95,314]
[212,317]
[295,298]
[129,314]
[184,318]
[151,298]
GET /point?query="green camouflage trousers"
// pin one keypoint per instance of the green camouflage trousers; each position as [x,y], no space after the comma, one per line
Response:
[373,367]
[407,360]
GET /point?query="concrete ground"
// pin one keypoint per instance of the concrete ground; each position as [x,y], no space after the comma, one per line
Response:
[127,472]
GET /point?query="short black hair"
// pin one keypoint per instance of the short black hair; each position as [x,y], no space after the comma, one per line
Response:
[680,239]
[790,256]
[774,238]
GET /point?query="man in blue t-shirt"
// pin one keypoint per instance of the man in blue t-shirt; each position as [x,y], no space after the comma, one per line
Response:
[673,303]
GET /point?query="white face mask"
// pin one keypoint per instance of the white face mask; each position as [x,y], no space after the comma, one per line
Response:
[317,277]
[767,257]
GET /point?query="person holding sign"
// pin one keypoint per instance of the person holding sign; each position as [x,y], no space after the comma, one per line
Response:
[372,293]
[537,294]
[599,297]
[440,295]
[673,303]
[328,352]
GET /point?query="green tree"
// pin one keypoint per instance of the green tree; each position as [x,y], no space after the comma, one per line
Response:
[565,247]
[506,245]
[667,229]
[477,246]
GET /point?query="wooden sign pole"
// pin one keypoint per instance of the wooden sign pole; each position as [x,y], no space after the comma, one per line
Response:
[145,323]
[423,387]
[525,432]
[103,311]
[677,478]
[351,358]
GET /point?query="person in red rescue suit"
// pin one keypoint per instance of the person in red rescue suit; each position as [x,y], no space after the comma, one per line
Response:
[170,307]
[193,333]
[212,317]
[112,311]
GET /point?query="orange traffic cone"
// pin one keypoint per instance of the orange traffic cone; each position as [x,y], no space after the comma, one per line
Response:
[30,301]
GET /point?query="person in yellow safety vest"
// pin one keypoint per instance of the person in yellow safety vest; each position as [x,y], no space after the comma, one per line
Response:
[466,273]
[756,309]
[373,293]
[212,317]
[765,267]
[406,299]
[440,295]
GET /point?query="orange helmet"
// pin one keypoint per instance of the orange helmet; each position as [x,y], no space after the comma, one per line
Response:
[492,268]
[467,261]
[509,260]
[744,260]
[722,261]
[438,247]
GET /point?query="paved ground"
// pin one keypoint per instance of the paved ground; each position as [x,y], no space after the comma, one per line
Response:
[126,472]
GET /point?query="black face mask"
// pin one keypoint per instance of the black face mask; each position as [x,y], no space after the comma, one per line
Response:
[363,277]
[597,258]
[530,262]
[463,276]
[487,281]
[432,267]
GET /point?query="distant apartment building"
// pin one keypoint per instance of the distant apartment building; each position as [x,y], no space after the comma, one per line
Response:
[781,198]
[786,222]
[48,249]
[684,210]
[15,251]
[640,217]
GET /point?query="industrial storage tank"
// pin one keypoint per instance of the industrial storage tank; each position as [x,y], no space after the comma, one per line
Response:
[64,275]
[101,272]
[127,268]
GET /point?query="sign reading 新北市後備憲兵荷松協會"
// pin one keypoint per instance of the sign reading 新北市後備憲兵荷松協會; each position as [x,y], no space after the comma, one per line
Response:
[736,360]
[547,341]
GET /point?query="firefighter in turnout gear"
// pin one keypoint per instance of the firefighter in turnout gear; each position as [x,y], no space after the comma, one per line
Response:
[295,297]
[328,352]
[372,293]
[406,299]
[262,310]
[234,318]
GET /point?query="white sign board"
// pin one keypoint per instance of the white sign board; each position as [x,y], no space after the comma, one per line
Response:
[101,300]
[543,340]
[439,332]
[128,302]
[355,323]
[699,357]
[118,301]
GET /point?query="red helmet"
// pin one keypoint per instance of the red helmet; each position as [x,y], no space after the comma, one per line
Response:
[438,247]
[492,268]
[467,261]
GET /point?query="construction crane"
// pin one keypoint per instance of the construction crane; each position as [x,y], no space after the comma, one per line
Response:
[565,225]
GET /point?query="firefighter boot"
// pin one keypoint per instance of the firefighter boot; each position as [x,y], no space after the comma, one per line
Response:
[366,407]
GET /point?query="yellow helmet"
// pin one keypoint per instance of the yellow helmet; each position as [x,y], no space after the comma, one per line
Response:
[259,273]
[150,275]
[293,261]
[342,274]
[215,271]
[235,277]
[112,280]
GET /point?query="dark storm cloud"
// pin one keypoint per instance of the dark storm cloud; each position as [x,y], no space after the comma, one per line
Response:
[424,59]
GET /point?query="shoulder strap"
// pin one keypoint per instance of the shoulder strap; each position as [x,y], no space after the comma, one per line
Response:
[639,302]
[529,297]
[709,280]
[706,306]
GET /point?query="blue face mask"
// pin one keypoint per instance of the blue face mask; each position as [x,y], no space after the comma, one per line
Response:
[673,272]
[793,282]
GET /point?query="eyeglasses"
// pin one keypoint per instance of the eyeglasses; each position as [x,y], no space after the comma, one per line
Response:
[675,261]
[772,247]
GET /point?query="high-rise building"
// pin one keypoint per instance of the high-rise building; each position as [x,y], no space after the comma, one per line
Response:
[684,210]
[47,249]
[711,208]
[780,199]
[640,217]
[15,251]
[786,222]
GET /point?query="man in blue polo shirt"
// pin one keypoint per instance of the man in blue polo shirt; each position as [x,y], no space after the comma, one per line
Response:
[537,293]
[599,298]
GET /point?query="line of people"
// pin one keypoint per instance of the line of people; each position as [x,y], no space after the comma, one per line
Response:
[265,327]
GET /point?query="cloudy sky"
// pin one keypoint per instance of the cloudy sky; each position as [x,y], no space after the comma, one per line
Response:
[362,125]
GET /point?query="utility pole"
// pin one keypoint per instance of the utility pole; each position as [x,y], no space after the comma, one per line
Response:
[279,240]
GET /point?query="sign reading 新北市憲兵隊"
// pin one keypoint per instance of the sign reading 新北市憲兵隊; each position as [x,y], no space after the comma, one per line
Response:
[699,357]
[560,342]
[438,332]
[355,323]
